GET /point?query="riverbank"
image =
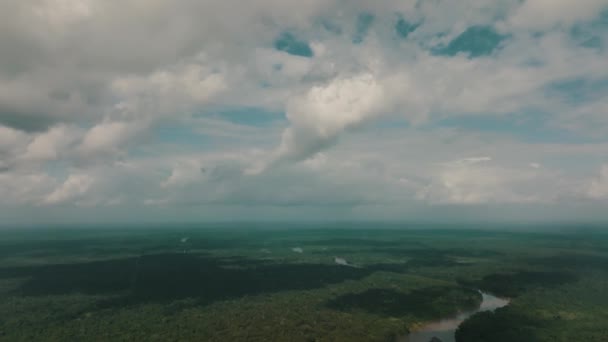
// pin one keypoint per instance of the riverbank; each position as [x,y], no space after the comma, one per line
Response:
[445,328]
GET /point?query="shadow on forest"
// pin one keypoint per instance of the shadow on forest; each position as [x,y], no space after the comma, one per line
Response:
[428,252]
[430,257]
[514,284]
[169,277]
[430,302]
[573,261]
[361,242]
[503,325]
[110,246]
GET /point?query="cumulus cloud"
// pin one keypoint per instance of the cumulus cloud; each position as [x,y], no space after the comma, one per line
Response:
[73,187]
[546,14]
[12,143]
[475,181]
[598,188]
[167,92]
[184,173]
[318,118]
[107,136]
[20,188]
[50,144]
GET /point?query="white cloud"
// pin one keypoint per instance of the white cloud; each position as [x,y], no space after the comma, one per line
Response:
[12,143]
[184,173]
[473,160]
[72,188]
[318,117]
[546,14]
[10,137]
[60,13]
[472,181]
[107,136]
[156,201]
[19,188]
[168,92]
[598,189]
[49,145]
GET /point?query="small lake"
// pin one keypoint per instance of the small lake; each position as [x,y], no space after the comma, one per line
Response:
[445,329]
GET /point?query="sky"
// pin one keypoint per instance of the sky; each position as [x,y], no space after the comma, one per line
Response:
[201,110]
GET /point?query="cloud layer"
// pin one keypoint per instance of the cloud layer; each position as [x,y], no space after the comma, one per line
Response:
[287,108]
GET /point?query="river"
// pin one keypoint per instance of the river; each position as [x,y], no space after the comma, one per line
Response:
[445,329]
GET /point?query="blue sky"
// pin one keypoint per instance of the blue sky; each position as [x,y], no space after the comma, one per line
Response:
[320,110]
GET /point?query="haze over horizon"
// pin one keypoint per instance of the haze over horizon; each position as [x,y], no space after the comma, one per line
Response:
[274,110]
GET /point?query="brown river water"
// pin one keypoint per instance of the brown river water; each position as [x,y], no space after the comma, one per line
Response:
[445,328]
